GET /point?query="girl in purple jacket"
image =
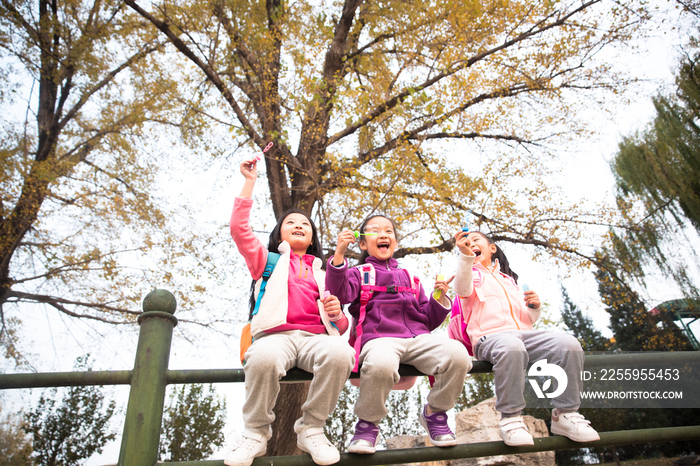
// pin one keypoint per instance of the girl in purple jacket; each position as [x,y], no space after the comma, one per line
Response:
[395,329]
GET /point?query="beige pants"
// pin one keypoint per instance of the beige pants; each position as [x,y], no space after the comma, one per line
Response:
[441,357]
[330,359]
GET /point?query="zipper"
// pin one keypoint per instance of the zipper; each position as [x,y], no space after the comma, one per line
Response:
[405,304]
[510,305]
[301,267]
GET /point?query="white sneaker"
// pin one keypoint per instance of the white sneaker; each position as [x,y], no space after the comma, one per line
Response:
[514,432]
[313,441]
[254,444]
[573,426]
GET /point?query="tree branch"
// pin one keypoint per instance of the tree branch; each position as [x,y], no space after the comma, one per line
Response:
[58,303]
[389,104]
[208,71]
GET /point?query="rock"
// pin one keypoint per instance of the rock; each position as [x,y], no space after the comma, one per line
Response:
[480,424]
[687,461]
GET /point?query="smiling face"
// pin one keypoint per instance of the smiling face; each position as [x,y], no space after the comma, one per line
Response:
[381,241]
[297,231]
[482,248]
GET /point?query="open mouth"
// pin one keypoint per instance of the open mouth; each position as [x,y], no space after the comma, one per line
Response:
[476,252]
[383,245]
[298,233]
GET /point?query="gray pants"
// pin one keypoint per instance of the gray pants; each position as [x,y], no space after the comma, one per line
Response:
[510,352]
[330,359]
[441,357]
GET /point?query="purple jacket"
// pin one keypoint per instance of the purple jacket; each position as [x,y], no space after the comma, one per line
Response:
[398,315]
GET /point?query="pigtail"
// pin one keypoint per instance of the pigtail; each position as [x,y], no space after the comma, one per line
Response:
[503,262]
[252,301]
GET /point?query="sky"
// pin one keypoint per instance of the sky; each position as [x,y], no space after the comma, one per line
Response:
[57,340]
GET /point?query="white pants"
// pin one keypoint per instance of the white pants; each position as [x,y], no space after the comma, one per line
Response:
[434,355]
[330,359]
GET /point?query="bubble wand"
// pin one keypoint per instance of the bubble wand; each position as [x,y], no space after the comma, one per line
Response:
[465,228]
[259,157]
[358,234]
[438,293]
[525,289]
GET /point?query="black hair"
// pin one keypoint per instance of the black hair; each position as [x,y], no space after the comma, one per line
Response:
[314,249]
[500,255]
[364,255]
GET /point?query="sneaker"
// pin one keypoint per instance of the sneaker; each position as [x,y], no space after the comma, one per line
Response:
[514,432]
[365,439]
[313,441]
[573,426]
[438,430]
[254,444]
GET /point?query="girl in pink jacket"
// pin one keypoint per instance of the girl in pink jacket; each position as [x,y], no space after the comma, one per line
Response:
[295,325]
[495,318]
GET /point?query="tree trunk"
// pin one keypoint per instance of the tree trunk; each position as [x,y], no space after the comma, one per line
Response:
[615,457]
[287,411]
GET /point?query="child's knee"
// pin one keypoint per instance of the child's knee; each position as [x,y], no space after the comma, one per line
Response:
[339,355]
[379,367]
[262,360]
[569,343]
[459,356]
[510,345]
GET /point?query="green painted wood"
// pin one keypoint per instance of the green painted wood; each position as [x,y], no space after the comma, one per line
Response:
[475,450]
[144,412]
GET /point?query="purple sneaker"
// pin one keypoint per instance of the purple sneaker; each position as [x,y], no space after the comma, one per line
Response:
[365,438]
[437,428]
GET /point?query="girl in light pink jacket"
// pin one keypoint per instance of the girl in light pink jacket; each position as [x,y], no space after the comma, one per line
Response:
[494,318]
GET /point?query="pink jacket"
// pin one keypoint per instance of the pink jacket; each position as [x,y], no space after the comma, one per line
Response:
[491,301]
[293,290]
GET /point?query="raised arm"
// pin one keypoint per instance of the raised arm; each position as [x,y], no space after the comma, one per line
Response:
[463,284]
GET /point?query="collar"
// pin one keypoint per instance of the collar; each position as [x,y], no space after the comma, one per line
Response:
[495,268]
[306,258]
[391,263]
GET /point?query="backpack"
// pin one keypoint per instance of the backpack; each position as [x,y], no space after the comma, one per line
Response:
[457,327]
[246,337]
[368,276]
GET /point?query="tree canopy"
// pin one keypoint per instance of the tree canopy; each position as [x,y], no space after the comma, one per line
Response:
[657,174]
[81,228]
[68,433]
[15,445]
[634,327]
[420,110]
[363,101]
[193,424]
[582,327]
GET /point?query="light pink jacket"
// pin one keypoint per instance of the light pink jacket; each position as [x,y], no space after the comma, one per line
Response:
[491,301]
